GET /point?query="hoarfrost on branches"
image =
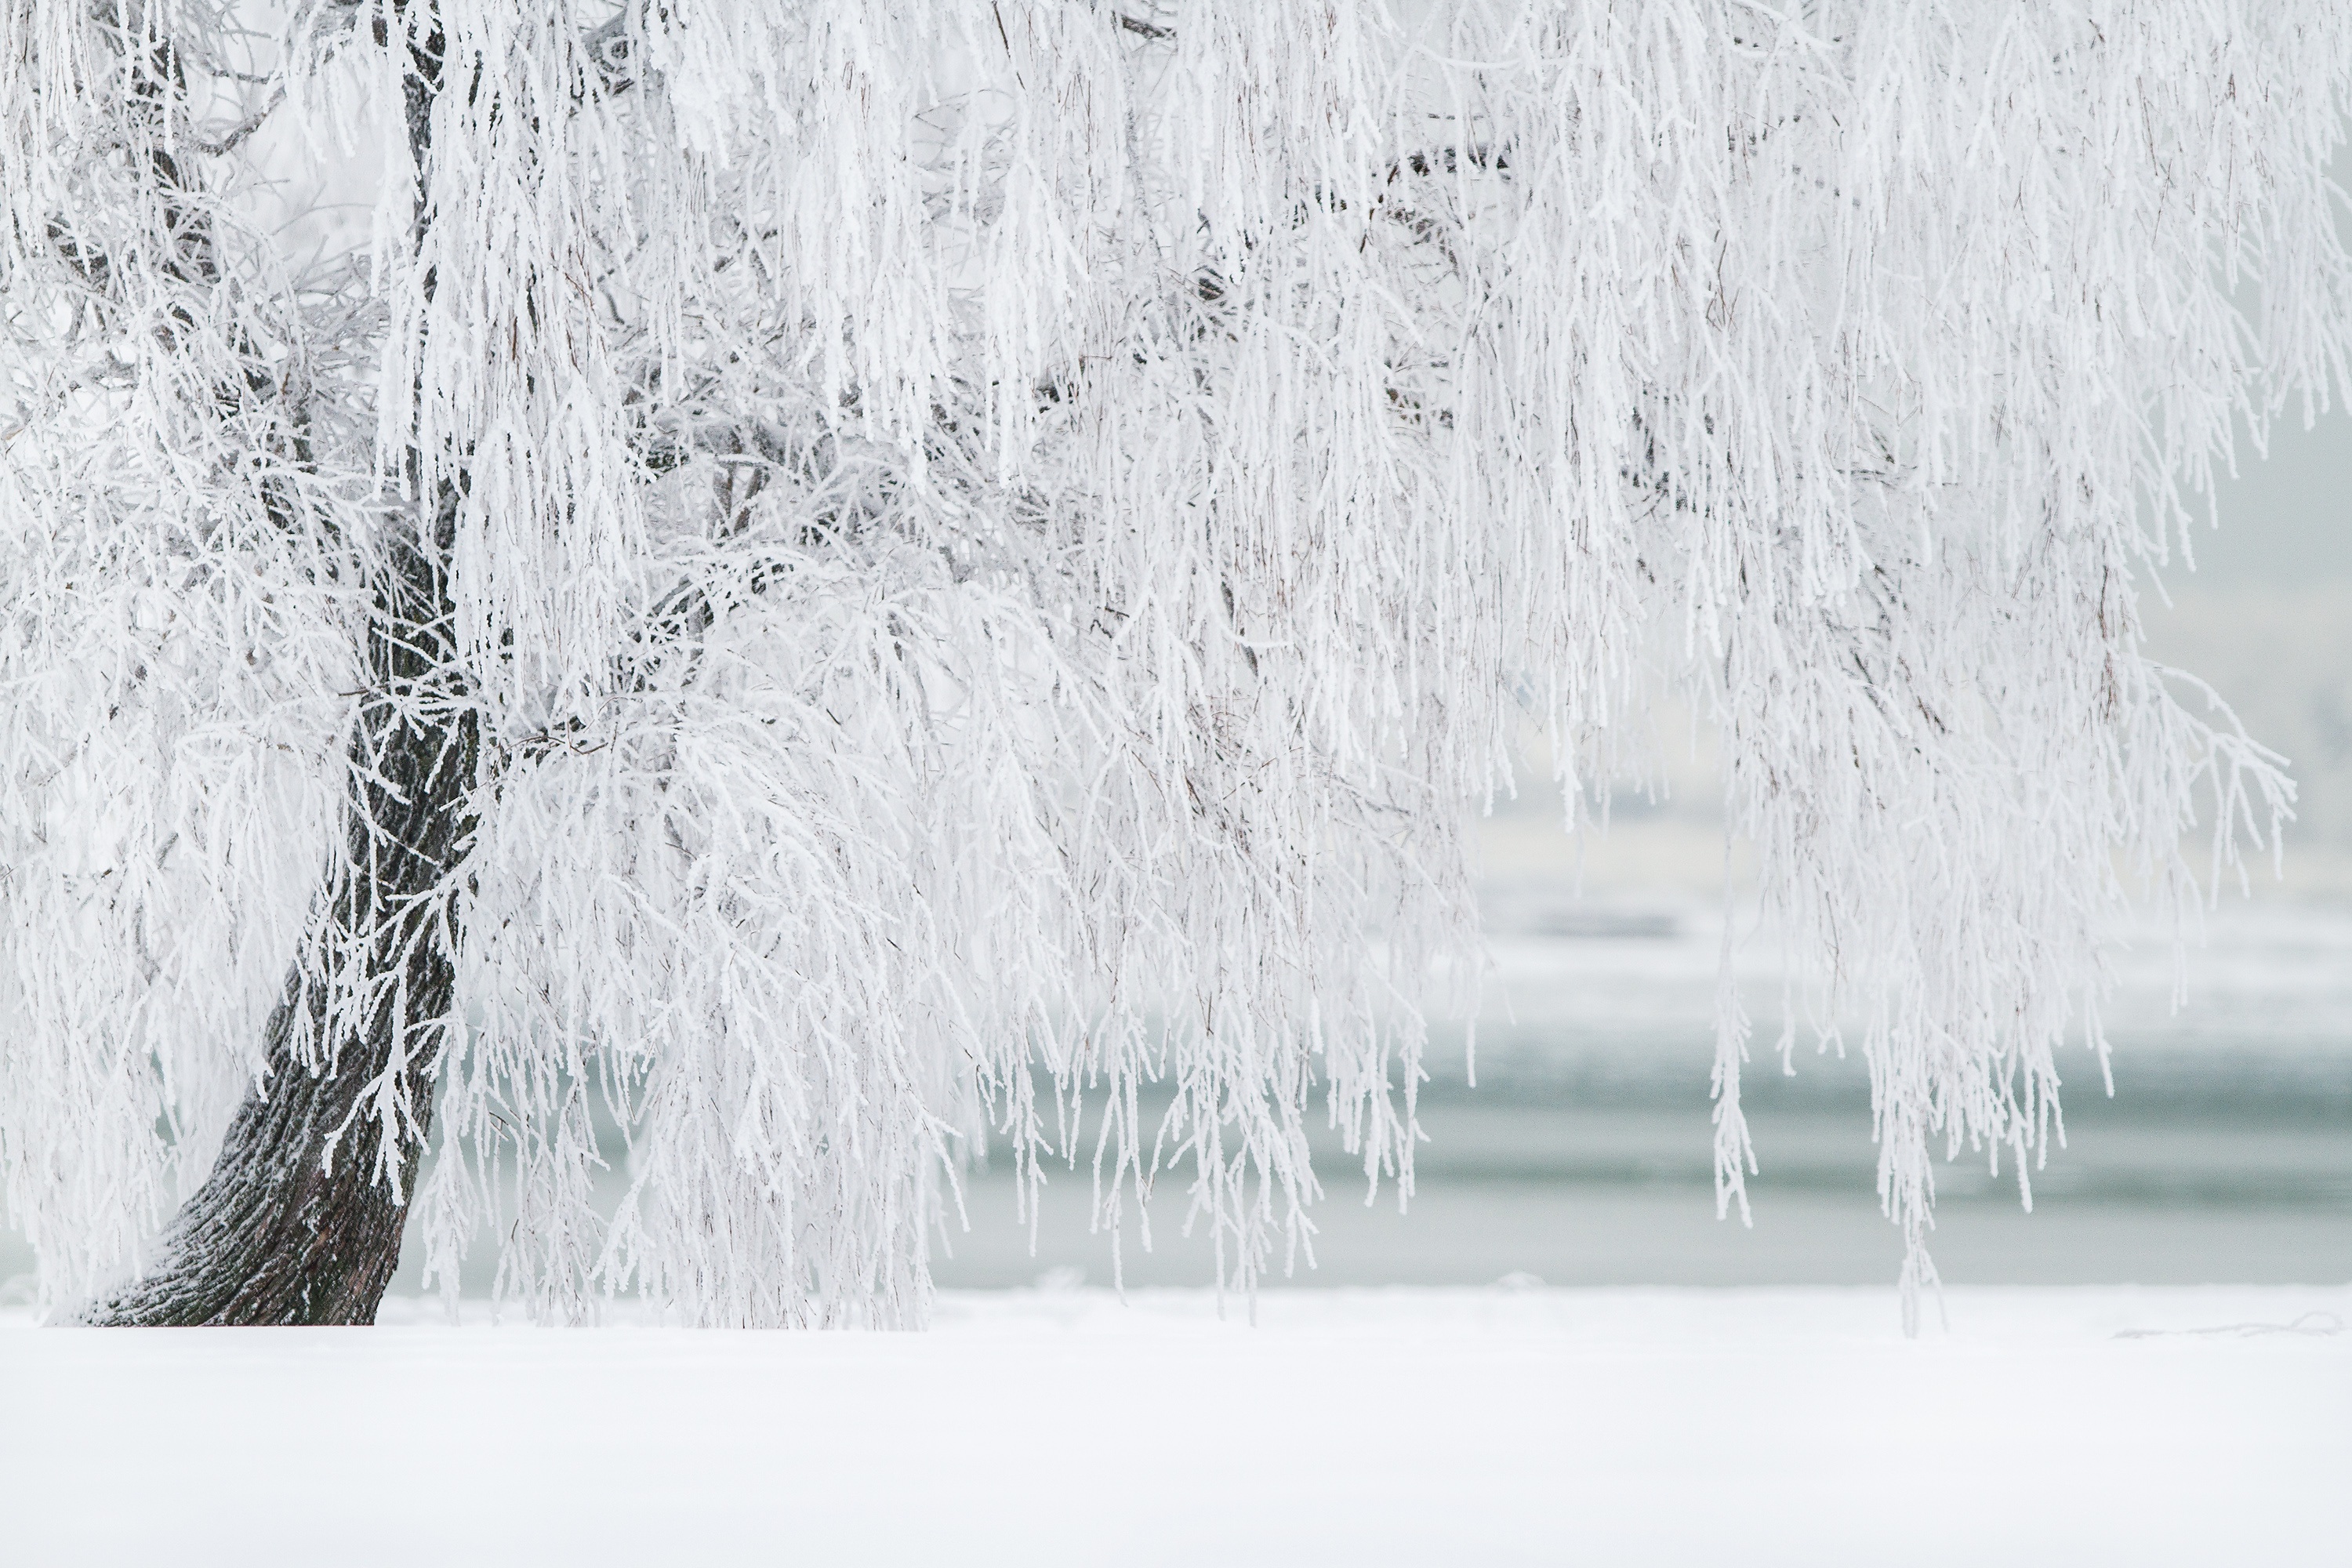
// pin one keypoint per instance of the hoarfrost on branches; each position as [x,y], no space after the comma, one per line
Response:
[972,555]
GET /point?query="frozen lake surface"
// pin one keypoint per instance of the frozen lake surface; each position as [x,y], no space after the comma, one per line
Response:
[1583,1157]
[2149,1427]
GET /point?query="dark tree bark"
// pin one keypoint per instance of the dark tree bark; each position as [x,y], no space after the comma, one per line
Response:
[298,1221]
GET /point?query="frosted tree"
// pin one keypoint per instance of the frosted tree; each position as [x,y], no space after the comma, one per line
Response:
[819,579]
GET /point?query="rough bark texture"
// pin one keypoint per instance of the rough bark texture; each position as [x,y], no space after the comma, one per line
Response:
[300,1220]
[297,1223]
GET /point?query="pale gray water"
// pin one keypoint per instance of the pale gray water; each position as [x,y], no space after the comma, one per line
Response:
[1608,1189]
[1584,1155]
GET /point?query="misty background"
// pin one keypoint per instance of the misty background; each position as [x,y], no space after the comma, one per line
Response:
[1583,1154]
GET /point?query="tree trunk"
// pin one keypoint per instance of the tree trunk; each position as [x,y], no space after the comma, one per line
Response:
[300,1220]
[296,1224]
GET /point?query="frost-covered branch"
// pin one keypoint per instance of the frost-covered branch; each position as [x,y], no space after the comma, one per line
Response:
[858,574]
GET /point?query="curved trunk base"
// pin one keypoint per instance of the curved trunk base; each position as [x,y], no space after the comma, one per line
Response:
[278,1234]
[292,1226]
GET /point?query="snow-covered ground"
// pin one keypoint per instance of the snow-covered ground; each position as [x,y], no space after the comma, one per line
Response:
[1656,1427]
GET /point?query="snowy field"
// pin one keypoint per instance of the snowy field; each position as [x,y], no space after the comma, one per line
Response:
[2077,1426]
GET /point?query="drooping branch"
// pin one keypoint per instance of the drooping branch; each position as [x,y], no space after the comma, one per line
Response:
[301,1217]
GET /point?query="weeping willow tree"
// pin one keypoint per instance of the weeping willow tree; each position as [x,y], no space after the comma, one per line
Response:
[822,580]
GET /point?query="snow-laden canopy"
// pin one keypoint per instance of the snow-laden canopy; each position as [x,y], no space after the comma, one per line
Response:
[984,548]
